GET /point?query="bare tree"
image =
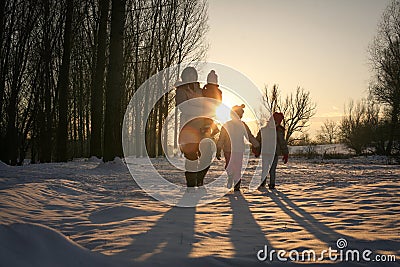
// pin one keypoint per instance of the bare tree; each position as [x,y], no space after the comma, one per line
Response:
[297,109]
[115,85]
[385,60]
[271,100]
[97,90]
[46,84]
[63,85]
[358,123]
[160,34]
[7,23]
[18,45]
[329,132]
[54,56]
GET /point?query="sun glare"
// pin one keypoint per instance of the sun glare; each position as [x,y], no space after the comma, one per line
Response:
[223,113]
[229,100]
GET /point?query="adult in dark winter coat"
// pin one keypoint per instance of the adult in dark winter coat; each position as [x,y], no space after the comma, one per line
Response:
[194,126]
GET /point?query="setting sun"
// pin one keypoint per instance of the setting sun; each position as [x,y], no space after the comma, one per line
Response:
[222,112]
[230,99]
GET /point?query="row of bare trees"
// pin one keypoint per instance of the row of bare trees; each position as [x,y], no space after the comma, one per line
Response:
[372,125]
[68,69]
[358,125]
[385,85]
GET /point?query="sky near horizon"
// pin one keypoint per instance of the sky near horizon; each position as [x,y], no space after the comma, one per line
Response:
[320,45]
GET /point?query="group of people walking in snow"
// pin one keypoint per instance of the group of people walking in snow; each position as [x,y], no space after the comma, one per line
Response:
[197,105]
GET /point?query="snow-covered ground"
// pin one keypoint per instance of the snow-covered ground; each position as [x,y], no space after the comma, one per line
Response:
[87,213]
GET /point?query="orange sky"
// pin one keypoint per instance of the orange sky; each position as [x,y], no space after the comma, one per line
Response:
[318,45]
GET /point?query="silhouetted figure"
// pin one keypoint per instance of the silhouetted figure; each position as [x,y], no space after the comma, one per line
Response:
[211,90]
[196,125]
[231,141]
[281,149]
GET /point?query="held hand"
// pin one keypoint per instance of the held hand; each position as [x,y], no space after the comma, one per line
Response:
[256,144]
[256,151]
[285,158]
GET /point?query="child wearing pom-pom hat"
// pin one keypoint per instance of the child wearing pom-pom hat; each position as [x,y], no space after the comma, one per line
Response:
[231,141]
[211,90]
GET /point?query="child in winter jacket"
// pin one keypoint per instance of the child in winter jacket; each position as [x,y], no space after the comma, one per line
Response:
[281,149]
[211,90]
[231,141]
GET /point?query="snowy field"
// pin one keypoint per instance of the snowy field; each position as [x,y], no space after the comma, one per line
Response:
[87,213]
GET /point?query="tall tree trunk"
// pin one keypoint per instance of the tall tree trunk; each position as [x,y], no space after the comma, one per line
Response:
[81,112]
[112,142]
[2,27]
[97,90]
[176,121]
[393,130]
[46,131]
[11,136]
[63,84]
[4,68]
[165,114]
[160,124]
[18,68]
[2,9]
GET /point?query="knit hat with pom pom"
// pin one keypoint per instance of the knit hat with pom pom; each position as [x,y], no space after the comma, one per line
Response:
[238,110]
[212,78]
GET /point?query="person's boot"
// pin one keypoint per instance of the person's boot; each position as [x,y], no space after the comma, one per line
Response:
[191,178]
[262,185]
[237,186]
[200,176]
[271,186]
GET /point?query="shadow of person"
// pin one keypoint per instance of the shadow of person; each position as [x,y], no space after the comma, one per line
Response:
[169,240]
[245,233]
[321,231]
